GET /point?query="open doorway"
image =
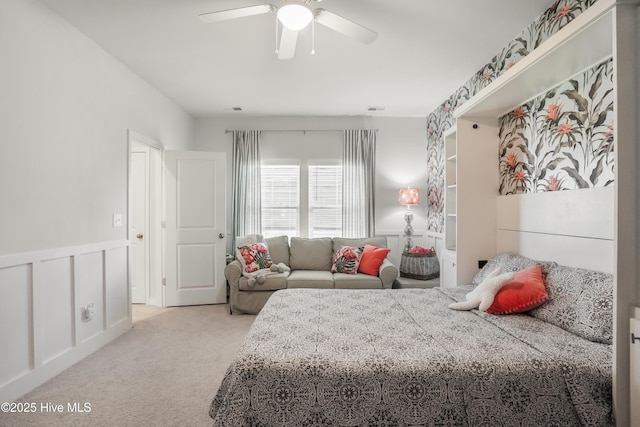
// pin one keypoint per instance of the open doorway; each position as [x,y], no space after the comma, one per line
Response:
[145,220]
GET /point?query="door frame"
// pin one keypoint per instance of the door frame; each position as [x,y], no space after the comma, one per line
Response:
[155,291]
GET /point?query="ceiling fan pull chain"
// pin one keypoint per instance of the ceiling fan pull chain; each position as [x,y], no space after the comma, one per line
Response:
[313,37]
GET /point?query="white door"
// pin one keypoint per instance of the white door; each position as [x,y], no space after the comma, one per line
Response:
[195,227]
[139,225]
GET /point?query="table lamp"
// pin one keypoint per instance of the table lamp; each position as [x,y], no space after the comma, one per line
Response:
[409,197]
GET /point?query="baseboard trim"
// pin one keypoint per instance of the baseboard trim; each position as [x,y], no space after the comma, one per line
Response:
[34,378]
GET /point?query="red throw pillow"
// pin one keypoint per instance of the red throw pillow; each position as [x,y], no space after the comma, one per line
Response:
[525,292]
[372,259]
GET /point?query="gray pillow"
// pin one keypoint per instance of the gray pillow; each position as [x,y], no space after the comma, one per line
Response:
[580,302]
[310,254]
[510,262]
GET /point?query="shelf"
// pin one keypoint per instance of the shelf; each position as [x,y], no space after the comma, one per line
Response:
[452,158]
[452,216]
[452,186]
[556,60]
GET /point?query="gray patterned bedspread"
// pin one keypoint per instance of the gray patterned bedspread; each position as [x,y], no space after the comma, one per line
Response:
[401,357]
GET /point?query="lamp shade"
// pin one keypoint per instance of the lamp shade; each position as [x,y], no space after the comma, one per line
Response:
[295,16]
[409,196]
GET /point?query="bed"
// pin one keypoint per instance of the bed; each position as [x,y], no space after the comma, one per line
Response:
[402,357]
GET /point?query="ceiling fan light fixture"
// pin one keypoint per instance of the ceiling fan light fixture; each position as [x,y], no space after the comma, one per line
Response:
[295,16]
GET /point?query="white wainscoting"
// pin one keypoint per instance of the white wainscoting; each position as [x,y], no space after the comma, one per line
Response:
[395,242]
[42,295]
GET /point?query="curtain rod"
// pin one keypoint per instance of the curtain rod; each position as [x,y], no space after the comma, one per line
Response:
[292,130]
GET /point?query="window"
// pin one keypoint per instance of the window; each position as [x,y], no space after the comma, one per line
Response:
[303,201]
[280,200]
[325,200]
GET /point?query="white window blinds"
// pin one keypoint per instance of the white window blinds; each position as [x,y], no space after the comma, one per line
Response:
[280,200]
[325,200]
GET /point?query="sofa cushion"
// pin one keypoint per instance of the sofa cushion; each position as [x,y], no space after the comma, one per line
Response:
[279,249]
[356,281]
[310,279]
[580,301]
[339,242]
[311,254]
[272,282]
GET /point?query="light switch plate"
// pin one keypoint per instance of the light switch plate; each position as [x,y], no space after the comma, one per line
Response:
[117,220]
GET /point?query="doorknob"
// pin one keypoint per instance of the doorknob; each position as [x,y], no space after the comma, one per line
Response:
[139,236]
[221,236]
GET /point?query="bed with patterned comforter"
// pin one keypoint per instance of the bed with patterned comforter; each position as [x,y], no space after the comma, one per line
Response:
[402,357]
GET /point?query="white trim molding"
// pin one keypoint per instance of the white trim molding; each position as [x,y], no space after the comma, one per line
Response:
[44,296]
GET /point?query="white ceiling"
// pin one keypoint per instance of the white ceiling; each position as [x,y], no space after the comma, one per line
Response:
[425,50]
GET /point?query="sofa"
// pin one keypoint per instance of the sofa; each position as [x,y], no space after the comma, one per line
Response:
[310,262]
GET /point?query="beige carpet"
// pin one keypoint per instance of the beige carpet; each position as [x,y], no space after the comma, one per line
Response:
[163,372]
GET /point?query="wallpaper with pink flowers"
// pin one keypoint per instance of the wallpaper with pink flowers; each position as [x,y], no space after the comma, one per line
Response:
[537,153]
[561,140]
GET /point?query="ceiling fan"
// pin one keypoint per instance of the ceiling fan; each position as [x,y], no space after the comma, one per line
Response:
[295,15]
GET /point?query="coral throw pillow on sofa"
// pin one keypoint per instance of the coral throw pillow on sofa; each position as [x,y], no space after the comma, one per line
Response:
[525,292]
[372,259]
[347,260]
[254,257]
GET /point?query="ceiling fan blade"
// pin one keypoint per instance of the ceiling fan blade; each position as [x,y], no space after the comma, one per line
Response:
[344,26]
[288,41]
[225,15]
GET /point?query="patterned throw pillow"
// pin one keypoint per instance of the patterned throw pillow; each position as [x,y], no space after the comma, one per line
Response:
[581,302]
[254,257]
[347,260]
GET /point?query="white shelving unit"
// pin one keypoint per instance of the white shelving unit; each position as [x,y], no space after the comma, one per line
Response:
[450,183]
[448,256]
[471,178]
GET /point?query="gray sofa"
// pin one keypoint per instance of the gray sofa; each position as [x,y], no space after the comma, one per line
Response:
[310,261]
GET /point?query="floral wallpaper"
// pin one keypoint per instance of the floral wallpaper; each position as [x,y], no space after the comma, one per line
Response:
[561,140]
[553,19]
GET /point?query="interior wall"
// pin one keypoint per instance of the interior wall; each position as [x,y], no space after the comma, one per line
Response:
[66,107]
[65,112]
[400,154]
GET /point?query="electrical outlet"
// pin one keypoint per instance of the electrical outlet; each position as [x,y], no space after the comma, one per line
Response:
[87,312]
[117,220]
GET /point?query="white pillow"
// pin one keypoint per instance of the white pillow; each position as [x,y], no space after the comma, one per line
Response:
[249,239]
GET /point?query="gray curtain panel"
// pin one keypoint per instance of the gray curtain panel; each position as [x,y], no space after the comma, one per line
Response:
[246,206]
[358,182]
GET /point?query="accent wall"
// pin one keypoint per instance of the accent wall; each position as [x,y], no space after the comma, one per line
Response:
[559,14]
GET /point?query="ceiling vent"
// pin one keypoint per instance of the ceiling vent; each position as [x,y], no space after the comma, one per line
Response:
[378,108]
